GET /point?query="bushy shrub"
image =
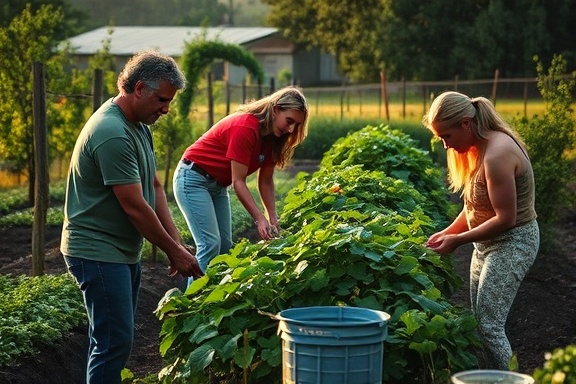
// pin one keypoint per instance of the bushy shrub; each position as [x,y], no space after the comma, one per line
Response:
[353,258]
[12,199]
[14,208]
[551,139]
[323,132]
[397,155]
[559,368]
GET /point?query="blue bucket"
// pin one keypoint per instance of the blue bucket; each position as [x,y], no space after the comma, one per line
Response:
[332,345]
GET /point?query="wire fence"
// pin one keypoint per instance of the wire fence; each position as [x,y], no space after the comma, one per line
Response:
[383,101]
[397,100]
[386,100]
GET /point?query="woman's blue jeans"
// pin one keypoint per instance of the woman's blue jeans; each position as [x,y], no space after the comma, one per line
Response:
[110,293]
[205,205]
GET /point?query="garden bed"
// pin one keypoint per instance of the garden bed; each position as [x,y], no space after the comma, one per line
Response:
[541,318]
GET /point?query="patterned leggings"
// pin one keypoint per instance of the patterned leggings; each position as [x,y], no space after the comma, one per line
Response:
[496,271]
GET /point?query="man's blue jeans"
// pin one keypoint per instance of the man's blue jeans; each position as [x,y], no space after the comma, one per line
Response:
[110,293]
[205,205]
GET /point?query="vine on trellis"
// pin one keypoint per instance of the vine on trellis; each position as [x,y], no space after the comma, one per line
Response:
[199,54]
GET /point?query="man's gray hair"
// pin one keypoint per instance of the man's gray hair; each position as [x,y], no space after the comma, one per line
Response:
[151,67]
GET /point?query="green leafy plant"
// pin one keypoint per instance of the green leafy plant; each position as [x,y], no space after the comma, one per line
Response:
[14,208]
[36,310]
[551,140]
[54,217]
[353,237]
[374,261]
[559,368]
[397,155]
[324,131]
[11,199]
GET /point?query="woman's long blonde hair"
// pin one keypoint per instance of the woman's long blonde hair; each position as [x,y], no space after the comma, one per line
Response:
[448,110]
[289,98]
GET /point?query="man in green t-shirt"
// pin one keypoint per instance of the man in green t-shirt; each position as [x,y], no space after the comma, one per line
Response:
[114,201]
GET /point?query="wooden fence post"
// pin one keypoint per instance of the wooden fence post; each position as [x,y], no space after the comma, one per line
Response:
[41,191]
[495,86]
[97,89]
[525,99]
[424,97]
[403,97]
[260,90]
[272,85]
[210,101]
[227,97]
[342,103]
[384,94]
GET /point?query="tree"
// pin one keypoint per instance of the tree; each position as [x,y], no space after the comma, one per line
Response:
[72,19]
[347,29]
[506,36]
[173,133]
[420,37]
[72,103]
[408,39]
[561,24]
[30,37]
[428,40]
[153,12]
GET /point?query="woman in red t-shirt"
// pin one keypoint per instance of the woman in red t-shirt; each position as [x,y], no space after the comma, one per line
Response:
[259,136]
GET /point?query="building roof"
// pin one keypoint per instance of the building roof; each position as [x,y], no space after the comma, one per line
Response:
[168,40]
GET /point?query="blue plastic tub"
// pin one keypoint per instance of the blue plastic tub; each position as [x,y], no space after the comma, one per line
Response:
[332,345]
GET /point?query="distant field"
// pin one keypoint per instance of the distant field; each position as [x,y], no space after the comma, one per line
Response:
[358,101]
[413,109]
[366,108]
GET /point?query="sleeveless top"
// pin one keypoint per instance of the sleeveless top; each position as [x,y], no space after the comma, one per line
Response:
[479,209]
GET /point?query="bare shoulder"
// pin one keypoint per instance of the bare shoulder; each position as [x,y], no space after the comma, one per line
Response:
[502,149]
[499,143]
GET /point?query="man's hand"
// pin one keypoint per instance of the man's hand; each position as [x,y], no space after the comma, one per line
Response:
[185,263]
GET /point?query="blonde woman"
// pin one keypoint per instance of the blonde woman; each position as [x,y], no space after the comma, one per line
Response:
[259,136]
[488,164]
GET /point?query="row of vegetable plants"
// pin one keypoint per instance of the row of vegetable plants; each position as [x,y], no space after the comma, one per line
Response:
[354,234]
[34,310]
[38,310]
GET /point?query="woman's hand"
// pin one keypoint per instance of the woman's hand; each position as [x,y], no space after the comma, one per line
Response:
[443,243]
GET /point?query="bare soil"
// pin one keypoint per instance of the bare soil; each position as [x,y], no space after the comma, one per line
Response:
[541,319]
[64,362]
